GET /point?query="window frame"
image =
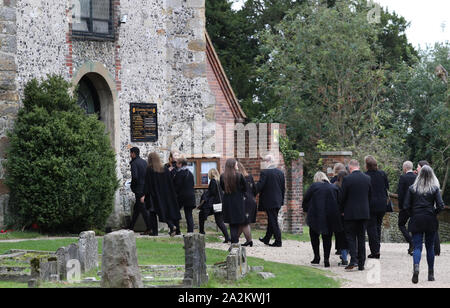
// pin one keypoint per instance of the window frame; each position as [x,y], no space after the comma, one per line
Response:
[95,36]
[198,169]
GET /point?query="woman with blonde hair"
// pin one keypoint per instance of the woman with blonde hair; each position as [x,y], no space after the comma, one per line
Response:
[424,202]
[160,195]
[321,203]
[214,195]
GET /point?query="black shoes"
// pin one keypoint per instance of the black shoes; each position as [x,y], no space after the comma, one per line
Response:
[327,263]
[415,278]
[374,256]
[248,244]
[351,267]
[430,275]
[263,240]
[316,261]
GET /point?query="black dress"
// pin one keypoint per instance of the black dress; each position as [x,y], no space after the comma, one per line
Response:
[160,196]
[233,205]
[251,207]
[184,188]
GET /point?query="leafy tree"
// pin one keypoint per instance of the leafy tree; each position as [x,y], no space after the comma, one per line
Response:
[60,167]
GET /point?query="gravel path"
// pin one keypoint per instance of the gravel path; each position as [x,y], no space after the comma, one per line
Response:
[394,269]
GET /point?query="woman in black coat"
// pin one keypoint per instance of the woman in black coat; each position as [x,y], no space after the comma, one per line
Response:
[341,239]
[378,205]
[321,202]
[423,202]
[160,195]
[233,206]
[213,195]
[251,207]
[184,188]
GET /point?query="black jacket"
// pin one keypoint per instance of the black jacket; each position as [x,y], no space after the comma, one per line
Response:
[233,205]
[406,180]
[215,194]
[271,188]
[380,187]
[422,210]
[138,171]
[321,202]
[356,193]
[184,188]
[160,196]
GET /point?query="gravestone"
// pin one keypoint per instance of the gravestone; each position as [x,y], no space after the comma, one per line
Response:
[119,261]
[237,266]
[44,269]
[195,260]
[88,250]
[64,255]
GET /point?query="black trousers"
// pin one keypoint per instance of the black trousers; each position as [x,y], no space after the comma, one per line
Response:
[374,226]
[315,242]
[403,218]
[189,221]
[139,208]
[273,229]
[218,217]
[355,231]
[153,219]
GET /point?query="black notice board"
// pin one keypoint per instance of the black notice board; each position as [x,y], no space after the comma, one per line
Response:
[144,122]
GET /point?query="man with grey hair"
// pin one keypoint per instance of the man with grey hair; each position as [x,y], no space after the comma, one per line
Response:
[271,189]
[406,180]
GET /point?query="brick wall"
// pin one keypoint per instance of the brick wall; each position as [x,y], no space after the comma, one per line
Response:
[329,159]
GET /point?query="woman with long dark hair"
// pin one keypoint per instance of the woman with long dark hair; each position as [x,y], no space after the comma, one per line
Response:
[250,205]
[341,240]
[423,202]
[160,195]
[214,195]
[234,186]
[378,205]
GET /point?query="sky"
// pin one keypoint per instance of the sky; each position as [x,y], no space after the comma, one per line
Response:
[430,19]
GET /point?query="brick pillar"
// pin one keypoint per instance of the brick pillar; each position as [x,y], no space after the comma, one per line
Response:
[292,212]
[329,159]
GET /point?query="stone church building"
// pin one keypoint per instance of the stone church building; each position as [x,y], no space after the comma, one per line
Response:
[124,54]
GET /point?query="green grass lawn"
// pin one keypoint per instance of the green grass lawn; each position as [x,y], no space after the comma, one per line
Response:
[169,251]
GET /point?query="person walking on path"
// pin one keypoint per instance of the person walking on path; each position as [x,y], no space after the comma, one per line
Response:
[271,189]
[406,180]
[437,243]
[341,240]
[378,205]
[321,203]
[356,193]
[160,194]
[214,195]
[184,188]
[423,202]
[338,167]
[250,205]
[138,172]
[234,186]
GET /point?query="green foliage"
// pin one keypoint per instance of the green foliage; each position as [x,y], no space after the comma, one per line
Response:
[288,151]
[61,168]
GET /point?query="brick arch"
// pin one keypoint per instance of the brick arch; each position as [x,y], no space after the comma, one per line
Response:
[106,89]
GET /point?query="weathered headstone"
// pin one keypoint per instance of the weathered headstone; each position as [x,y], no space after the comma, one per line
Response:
[266,275]
[64,255]
[195,259]
[44,269]
[237,266]
[88,249]
[119,261]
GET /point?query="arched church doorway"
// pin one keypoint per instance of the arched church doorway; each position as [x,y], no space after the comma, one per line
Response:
[96,95]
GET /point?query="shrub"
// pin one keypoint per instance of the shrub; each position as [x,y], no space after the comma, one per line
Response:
[61,168]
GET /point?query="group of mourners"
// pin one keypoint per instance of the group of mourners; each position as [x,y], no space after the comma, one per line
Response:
[354,203]
[161,192]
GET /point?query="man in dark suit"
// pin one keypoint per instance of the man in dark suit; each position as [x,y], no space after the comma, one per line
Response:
[271,189]
[406,180]
[138,171]
[356,192]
